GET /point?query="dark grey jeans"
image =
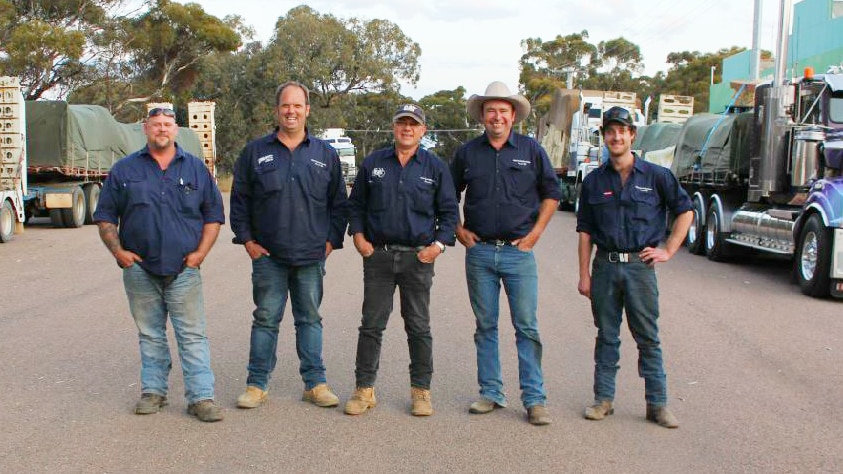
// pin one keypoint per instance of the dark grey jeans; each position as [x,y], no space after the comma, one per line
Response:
[382,272]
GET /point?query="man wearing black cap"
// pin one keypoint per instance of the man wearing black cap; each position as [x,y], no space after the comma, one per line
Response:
[403,214]
[623,213]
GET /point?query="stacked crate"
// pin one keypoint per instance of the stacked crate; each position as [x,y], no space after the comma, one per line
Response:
[675,108]
[201,121]
[11,134]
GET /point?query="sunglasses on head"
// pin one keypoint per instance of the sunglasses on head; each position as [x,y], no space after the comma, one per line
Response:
[161,111]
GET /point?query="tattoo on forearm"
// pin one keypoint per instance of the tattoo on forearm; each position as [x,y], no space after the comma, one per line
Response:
[109,236]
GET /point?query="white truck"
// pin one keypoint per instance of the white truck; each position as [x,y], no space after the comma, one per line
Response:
[12,158]
[345,149]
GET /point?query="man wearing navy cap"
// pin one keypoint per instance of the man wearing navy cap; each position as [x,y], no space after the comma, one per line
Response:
[511,192]
[403,215]
[623,213]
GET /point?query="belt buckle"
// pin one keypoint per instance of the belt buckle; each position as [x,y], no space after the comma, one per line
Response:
[618,257]
[500,243]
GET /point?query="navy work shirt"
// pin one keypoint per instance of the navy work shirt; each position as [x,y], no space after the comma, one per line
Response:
[292,202]
[411,205]
[631,217]
[160,214]
[505,187]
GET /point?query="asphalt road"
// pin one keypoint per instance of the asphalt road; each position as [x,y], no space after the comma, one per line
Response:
[754,373]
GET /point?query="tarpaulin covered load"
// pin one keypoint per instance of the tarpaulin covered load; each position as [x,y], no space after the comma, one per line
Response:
[656,143]
[555,127]
[714,146]
[84,140]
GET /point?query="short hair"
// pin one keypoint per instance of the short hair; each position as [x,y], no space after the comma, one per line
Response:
[287,84]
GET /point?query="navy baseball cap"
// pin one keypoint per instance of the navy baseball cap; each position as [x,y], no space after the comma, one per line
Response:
[410,110]
[619,115]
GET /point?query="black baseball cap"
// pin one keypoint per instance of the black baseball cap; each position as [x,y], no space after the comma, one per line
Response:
[619,115]
[410,110]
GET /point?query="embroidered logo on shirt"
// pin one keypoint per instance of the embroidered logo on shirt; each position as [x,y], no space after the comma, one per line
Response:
[265,159]
[318,163]
[643,189]
[426,180]
[608,193]
[378,172]
[522,162]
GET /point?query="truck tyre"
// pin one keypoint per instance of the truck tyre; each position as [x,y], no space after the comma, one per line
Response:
[813,257]
[92,198]
[695,241]
[716,247]
[56,218]
[75,216]
[577,192]
[7,222]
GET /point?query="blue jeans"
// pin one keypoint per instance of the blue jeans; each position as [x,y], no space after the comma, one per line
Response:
[486,266]
[271,282]
[382,272]
[151,299]
[630,286]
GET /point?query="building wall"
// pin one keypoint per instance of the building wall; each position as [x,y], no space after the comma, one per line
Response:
[816,41]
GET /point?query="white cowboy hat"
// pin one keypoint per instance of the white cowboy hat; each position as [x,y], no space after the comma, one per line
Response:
[498,90]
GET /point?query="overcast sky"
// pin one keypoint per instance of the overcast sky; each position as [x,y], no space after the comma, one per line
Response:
[474,42]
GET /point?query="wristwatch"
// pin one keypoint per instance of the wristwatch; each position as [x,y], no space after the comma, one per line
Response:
[440,245]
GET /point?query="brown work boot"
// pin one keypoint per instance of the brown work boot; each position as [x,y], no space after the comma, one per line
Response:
[252,397]
[421,402]
[321,396]
[538,415]
[599,410]
[205,410]
[662,416]
[150,403]
[483,406]
[361,400]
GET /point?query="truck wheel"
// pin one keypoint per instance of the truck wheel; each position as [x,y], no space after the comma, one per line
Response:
[56,218]
[577,192]
[813,257]
[75,216]
[716,247]
[7,222]
[695,241]
[92,198]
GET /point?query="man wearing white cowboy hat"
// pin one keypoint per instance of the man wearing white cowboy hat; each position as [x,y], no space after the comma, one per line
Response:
[511,194]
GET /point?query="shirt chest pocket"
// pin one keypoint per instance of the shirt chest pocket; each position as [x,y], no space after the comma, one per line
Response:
[422,197]
[135,191]
[189,194]
[645,203]
[521,179]
[269,178]
[317,180]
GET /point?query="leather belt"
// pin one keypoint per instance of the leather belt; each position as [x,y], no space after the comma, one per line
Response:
[399,248]
[495,242]
[618,257]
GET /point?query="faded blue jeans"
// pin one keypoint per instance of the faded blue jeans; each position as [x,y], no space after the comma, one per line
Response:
[151,300]
[486,266]
[631,286]
[271,282]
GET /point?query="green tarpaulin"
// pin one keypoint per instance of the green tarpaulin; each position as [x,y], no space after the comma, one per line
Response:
[84,140]
[715,146]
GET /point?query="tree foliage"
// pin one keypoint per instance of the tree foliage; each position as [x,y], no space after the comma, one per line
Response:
[46,43]
[690,74]
[335,57]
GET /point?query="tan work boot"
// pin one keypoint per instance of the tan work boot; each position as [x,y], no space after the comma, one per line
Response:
[252,397]
[150,403]
[599,410]
[662,416]
[361,400]
[483,406]
[321,396]
[421,402]
[538,415]
[205,410]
